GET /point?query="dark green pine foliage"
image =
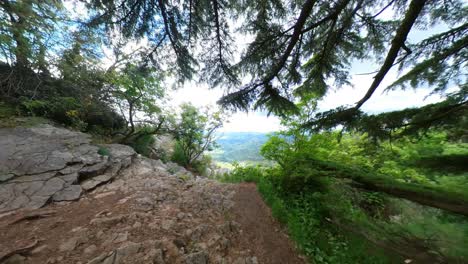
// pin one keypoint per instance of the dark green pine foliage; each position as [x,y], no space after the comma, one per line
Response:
[297,50]
[302,58]
[174,29]
[26,30]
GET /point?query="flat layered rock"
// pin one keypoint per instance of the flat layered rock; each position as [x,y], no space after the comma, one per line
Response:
[47,163]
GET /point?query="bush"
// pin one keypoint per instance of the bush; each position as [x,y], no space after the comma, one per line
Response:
[69,111]
[201,166]
[103,151]
[178,156]
[64,110]
[244,174]
[142,141]
[35,107]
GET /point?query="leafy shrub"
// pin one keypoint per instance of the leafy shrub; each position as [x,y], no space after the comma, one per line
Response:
[178,156]
[142,141]
[201,166]
[244,174]
[35,107]
[64,110]
[70,111]
[103,151]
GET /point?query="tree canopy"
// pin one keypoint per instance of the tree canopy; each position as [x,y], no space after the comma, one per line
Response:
[300,49]
[275,55]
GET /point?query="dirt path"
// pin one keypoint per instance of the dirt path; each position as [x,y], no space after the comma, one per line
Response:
[262,233]
[149,216]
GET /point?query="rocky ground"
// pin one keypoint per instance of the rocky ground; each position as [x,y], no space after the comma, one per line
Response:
[64,200]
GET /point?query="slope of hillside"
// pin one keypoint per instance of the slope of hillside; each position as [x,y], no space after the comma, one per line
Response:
[140,211]
[239,147]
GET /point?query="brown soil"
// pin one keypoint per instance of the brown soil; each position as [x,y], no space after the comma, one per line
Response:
[261,232]
[260,235]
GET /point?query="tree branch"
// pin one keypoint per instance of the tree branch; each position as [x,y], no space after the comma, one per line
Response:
[398,42]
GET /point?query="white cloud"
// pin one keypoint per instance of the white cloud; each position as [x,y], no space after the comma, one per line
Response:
[251,122]
[197,94]
[200,96]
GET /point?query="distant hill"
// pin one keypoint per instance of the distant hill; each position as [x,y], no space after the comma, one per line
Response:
[239,146]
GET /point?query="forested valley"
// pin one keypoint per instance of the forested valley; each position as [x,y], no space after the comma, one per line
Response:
[348,185]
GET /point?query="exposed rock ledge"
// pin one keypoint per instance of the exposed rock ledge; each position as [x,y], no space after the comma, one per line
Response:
[46,163]
[147,212]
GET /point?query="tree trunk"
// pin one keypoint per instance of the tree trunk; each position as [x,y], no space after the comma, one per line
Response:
[430,198]
[424,195]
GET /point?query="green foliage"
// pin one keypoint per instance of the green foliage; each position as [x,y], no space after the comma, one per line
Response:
[319,173]
[103,151]
[305,214]
[35,107]
[178,156]
[194,134]
[136,89]
[7,110]
[70,111]
[64,110]
[143,141]
[27,30]
[244,174]
[202,165]
[199,166]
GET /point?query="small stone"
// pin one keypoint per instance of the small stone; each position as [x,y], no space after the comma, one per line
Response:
[224,243]
[69,193]
[69,245]
[100,234]
[39,249]
[127,250]
[137,225]
[123,200]
[167,224]
[108,221]
[99,259]
[180,216]
[90,250]
[196,258]
[145,203]
[121,237]
[153,226]
[179,242]
[202,246]
[156,255]
[252,260]
[79,229]
[101,195]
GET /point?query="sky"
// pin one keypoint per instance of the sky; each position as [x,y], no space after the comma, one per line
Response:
[200,95]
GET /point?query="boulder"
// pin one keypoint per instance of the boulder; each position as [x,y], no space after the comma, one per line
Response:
[48,163]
